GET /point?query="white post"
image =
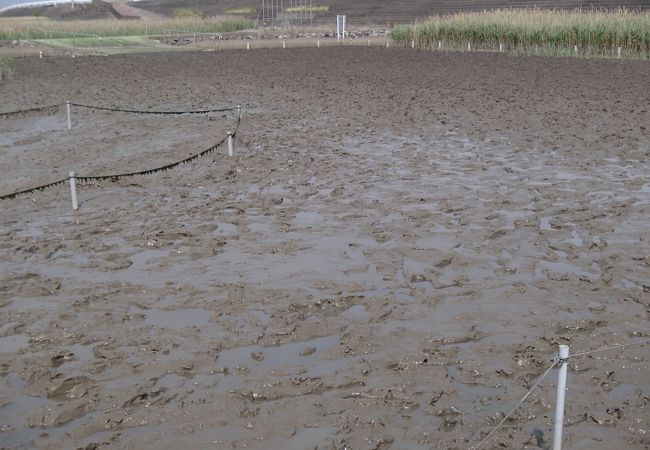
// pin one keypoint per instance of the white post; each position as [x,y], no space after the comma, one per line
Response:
[412,44]
[284,44]
[318,43]
[248,46]
[230,143]
[67,110]
[575,48]
[500,47]
[73,191]
[387,44]
[239,112]
[368,42]
[619,52]
[338,28]
[559,399]
[40,54]
[469,46]
[439,45]
[344,19]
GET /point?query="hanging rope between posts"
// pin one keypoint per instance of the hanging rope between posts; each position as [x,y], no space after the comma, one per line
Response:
[613,347]
[159,113]
[557,360]
[519,403]
[115,177]
[49,108]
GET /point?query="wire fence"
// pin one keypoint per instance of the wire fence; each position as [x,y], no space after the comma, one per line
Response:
[554,362]
[115,177]
[49,109]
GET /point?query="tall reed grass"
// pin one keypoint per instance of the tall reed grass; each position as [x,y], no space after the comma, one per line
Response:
[6,67]
[591,30]
[43,29]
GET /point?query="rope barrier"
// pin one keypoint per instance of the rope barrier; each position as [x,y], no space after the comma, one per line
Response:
[604,349]
[168,113]
[34,189]
[104,108]
[557,360]
[51,108]
[523,399]
[115,177]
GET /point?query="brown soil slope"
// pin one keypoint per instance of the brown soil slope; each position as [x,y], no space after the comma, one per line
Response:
[382,11]
[358,11]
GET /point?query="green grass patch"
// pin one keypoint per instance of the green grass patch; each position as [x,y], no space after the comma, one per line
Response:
[308,9]
[594,32]
[241,11]
[6,67]
[188,13]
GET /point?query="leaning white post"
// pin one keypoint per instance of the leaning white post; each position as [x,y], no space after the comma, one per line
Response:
[73,191]
[239,112]
[559,399]
[67,110]
[230,143]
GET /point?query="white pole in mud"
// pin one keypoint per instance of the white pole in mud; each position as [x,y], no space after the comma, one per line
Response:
[469,46]
[239,112]
[387,45]
[230,152]
[619,52]
[559,399]
[248,46]
[500,47]
[439,45]
[40,54]
[73,191]
[575,48]
[318,43]
[284,44]
[412,44]
[67,110]
[368,42]
[338,32]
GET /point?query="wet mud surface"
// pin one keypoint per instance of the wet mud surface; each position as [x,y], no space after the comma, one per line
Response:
[391,258]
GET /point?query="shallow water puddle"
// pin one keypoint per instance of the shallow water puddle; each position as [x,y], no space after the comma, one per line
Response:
[286,357]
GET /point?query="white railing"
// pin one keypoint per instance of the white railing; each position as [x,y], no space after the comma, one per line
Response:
[45,3]
[41,3]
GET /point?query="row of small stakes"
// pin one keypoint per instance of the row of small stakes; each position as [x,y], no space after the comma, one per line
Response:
[73,179]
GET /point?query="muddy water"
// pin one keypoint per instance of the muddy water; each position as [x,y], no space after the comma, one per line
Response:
[352,278]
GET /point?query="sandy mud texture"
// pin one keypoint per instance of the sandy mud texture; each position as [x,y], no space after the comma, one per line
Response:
[392,256]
